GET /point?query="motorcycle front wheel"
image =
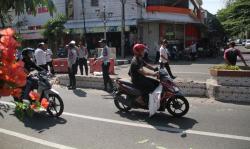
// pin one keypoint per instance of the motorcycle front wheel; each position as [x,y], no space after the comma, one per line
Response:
[177,106]
[120,105]
[56,105]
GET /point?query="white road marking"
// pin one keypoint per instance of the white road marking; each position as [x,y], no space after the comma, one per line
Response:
[188,131]
[203,133]
[33,139]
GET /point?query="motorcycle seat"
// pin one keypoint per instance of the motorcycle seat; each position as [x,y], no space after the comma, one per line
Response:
[131,86]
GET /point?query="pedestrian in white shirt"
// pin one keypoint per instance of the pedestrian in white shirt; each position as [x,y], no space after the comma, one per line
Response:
[105,55]
[40,56]
[49,59]
[164,61]
[72,60]
[83,57]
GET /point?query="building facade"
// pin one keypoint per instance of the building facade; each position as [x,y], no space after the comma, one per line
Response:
[31,27]
[147,21]
[178,21]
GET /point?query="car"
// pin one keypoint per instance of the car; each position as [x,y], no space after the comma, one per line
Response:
[62,53]
[243,42]
[247,44]
[238,42]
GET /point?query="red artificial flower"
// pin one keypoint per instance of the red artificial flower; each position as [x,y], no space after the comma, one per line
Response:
[44,103]
[17,92]
[5,91]
[12,73]
[33,106]
[34,95]
[7,32]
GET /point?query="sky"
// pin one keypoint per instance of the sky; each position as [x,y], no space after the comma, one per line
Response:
[213,5]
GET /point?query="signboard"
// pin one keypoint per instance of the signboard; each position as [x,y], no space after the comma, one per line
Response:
[108,29]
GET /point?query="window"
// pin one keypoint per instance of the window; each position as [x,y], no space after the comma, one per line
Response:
[69,9]
[94,3]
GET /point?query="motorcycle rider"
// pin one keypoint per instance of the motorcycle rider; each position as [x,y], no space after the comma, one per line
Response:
[139,76]
[29,66]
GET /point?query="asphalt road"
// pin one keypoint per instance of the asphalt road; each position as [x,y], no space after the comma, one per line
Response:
[92,121]
[197,70]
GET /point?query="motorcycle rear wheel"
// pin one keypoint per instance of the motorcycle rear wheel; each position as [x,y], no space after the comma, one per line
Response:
[54,102]
[121,106]
[175,104]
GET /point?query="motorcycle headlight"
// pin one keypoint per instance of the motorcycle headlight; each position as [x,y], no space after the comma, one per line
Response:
[176,89]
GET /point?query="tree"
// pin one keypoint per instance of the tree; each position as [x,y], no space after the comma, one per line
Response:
[54,30]
[22,6]
[235,18]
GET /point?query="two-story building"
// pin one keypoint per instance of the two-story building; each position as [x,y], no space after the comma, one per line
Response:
[31,27]
[179,21]
[147,21]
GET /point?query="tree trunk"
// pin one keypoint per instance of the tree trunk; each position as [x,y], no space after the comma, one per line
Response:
[2,21]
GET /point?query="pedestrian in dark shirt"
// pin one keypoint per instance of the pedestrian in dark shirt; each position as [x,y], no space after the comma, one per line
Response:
[139,76]
[230,55]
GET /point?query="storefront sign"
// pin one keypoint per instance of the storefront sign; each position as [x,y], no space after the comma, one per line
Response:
[108,29]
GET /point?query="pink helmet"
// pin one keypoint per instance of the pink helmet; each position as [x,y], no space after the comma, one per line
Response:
[138,49]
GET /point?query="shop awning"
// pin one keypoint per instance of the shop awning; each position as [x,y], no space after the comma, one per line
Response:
[73,24]
[169,17]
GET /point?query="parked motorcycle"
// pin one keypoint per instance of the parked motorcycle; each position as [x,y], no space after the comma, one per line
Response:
[125,95]
[56,106]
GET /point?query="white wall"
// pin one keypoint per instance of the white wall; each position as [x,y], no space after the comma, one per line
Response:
[42,18]
[151,36]
[113,6]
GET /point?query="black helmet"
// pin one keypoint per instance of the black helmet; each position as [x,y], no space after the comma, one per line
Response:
[27,51]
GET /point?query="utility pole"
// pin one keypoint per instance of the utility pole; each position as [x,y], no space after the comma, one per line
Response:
[84,25]
[104,21]
[104,15]
[123,29]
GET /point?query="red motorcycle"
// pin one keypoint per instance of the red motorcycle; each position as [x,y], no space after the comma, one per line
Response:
[125,95]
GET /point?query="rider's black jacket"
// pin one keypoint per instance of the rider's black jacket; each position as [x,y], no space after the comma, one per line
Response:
[29,65]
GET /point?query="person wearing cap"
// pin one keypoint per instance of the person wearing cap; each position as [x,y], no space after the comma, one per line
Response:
[83,57]
[40,56]
[230,55]
[72,57]
[164,61]
[105,55]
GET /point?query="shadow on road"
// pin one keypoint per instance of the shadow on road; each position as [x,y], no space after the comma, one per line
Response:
[79,93]
[42,122]
[161,121]
[4,108]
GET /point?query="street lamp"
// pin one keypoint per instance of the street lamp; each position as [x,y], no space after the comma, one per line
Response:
[104,16]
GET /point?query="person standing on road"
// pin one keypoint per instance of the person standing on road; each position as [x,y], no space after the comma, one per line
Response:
[164,61]
[49,59]
[72,57]
[40,56]
[193,50]
[230,55]
[157,49]
[105,55]
[83,57]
